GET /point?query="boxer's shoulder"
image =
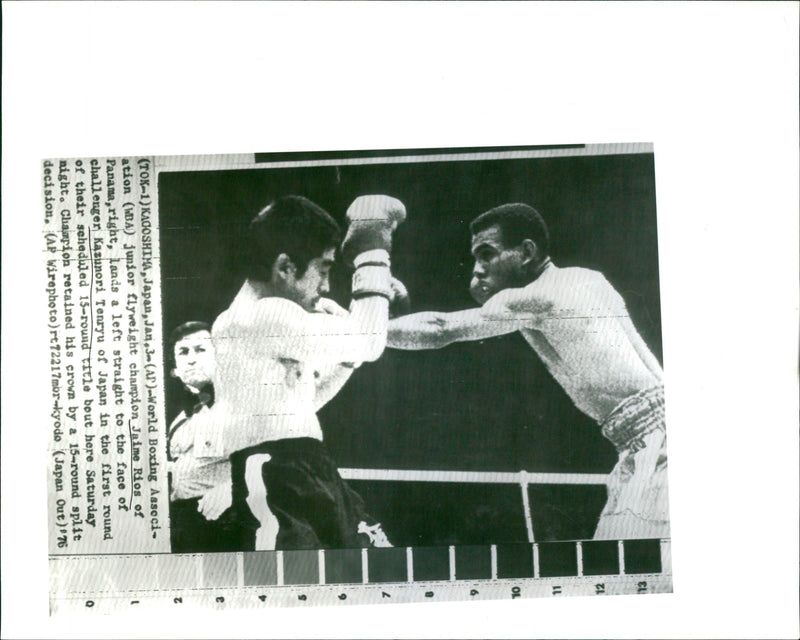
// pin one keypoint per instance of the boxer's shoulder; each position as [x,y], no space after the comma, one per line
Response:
[252,315]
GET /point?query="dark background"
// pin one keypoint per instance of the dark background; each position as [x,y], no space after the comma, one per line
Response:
[484,406]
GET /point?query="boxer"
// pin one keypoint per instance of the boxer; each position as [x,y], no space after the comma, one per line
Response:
[284,350]
[579,326]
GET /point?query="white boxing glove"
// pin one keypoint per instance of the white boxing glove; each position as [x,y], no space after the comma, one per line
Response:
[372,221]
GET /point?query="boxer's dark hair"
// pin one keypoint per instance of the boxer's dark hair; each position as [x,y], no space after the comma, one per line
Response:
[292,225]
[517,221]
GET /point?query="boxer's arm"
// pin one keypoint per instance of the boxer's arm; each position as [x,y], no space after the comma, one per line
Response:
[185,482]
[332,378]
[360,335]
[507,311]
[331,382]
[335,374]
[433,330]
[285,330]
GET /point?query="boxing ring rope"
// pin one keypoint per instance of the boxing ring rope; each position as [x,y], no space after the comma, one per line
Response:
[522,478]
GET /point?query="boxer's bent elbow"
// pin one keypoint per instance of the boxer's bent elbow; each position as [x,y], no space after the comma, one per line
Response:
[371,347]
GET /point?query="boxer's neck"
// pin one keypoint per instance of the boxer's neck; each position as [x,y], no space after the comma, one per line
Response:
[262,289]
[540,268]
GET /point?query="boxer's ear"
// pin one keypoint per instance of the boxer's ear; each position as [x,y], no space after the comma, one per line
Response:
[283,268]
[530,252]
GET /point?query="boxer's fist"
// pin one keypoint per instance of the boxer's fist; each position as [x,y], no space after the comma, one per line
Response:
[399,303]
[372,220]
[384,209]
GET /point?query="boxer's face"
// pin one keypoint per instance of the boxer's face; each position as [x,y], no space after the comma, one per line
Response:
[314,283]
[194,359]
[497,266]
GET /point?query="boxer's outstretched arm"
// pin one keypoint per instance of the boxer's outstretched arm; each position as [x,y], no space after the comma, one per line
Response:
[433,330]
[508,311]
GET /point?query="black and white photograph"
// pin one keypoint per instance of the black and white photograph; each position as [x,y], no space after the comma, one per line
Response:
[376,370]
[497,379]
[371,319]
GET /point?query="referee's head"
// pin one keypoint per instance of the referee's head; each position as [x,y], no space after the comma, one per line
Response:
[193,354]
